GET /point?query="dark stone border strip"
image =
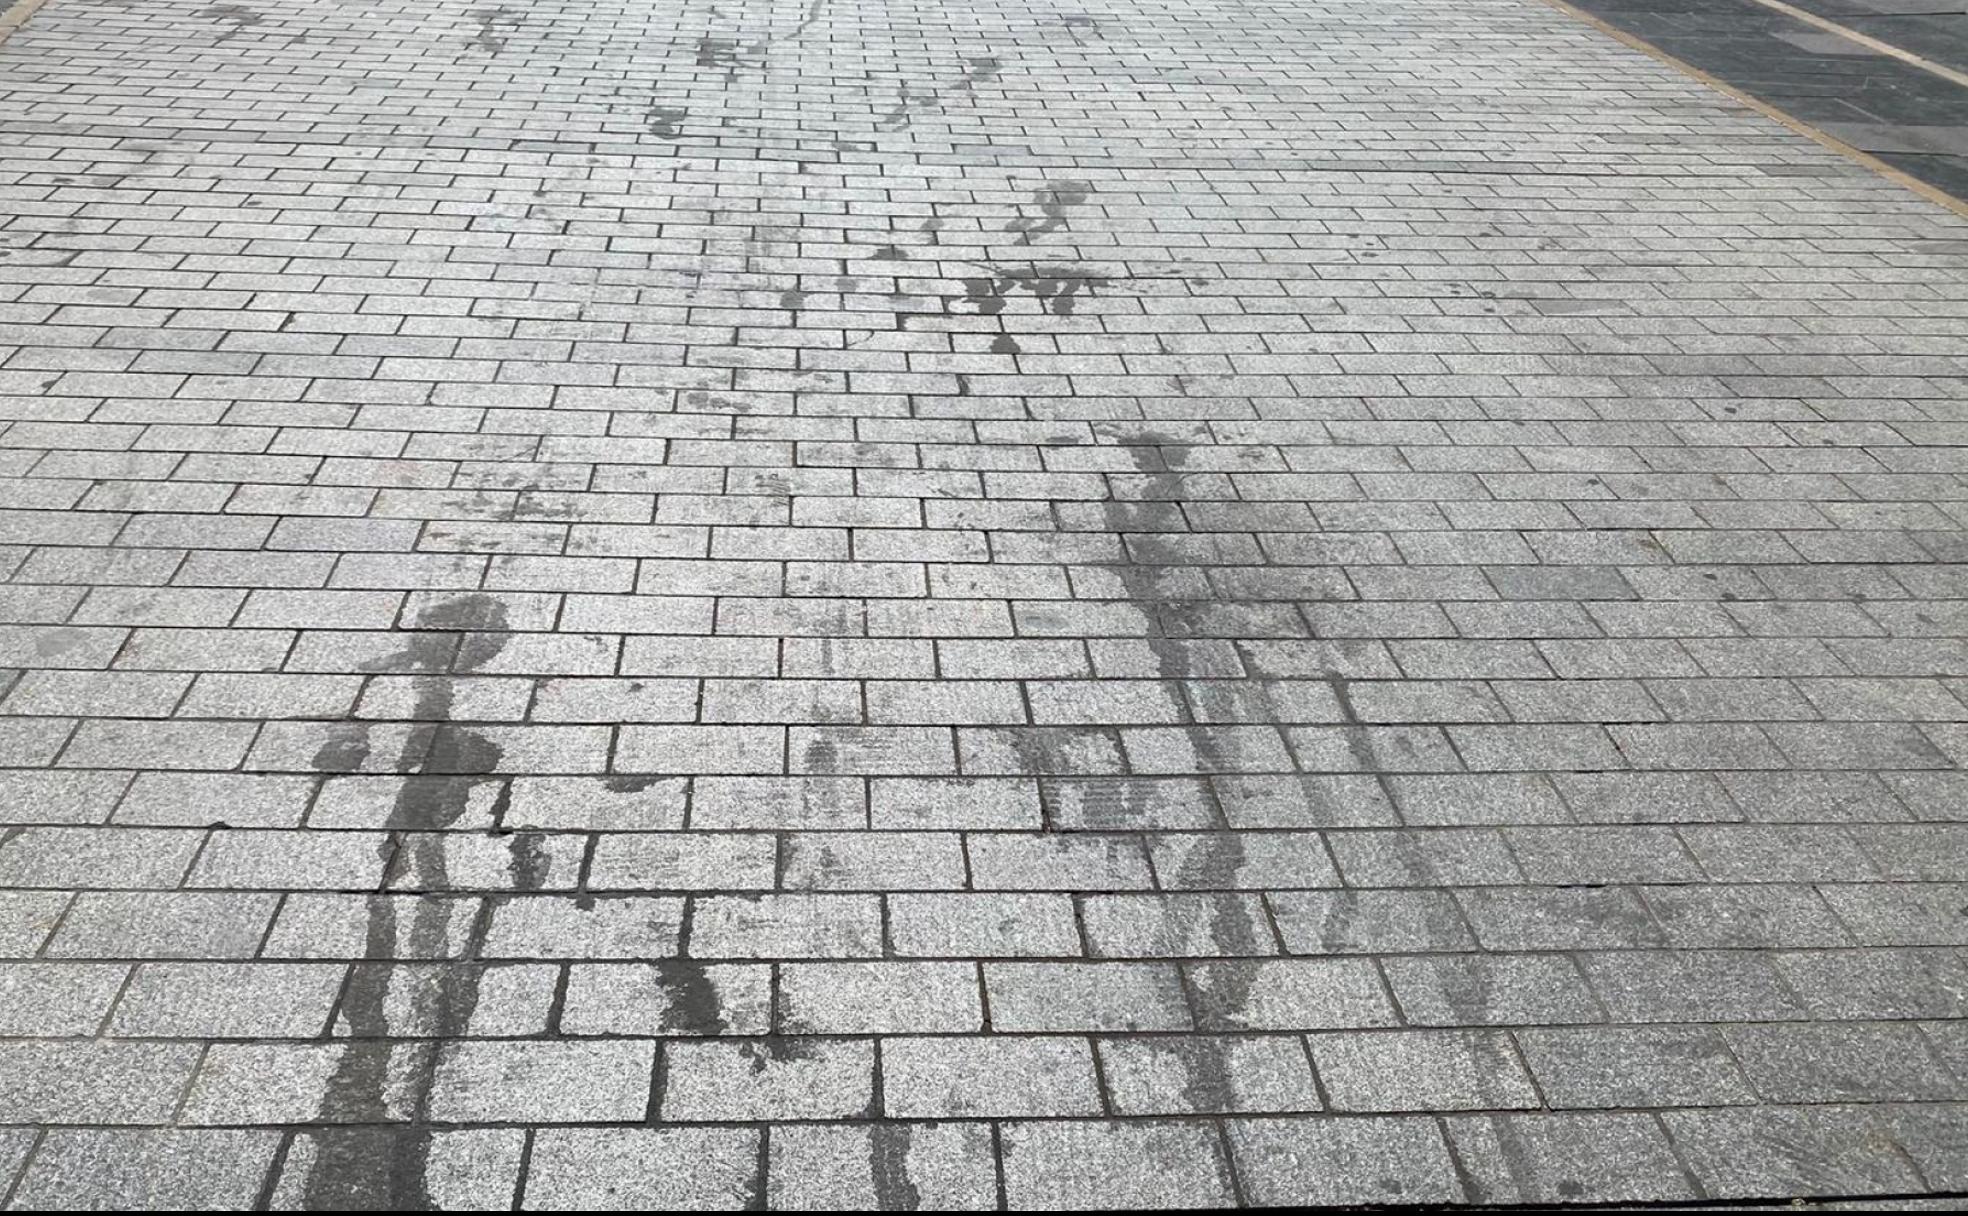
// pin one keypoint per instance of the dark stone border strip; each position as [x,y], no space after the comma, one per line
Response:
[1899,117]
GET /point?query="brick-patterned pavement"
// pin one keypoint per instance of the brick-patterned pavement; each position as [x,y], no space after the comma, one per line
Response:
[904,603]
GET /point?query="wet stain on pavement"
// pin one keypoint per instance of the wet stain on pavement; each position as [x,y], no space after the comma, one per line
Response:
[490,20]
[380,1074]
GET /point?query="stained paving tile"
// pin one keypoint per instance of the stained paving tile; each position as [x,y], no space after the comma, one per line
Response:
[834,604]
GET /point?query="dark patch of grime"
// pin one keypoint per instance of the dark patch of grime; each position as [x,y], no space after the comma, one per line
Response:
[665,122]
[239,16]
[1054,200]
[693,1006]
[488,38]
[888,1162]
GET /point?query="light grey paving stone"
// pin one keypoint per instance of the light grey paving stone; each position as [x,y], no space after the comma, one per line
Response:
[1419,1070]
[1634,1066]
[15,1143]
[244,800]
[778,1077]
[100,858]
[162,924]
[643,1169]
[552,927]
[381,1167]
[1771,1152]
[1333,1161]
[293,1082]
[983,924]
[1176,925]
[104,1082]
[87,1169]
[625,804]
[420,999]
[55,797]
[1082,1166]
[1846,1062]
[547,1082]
[1207,1074]
[1490,990]
[674,997]
[1557,1158]
[819,861]
[880,998]
[27,918]
[1369,922]
[953,802]
[319,925]
[888,1166]
[1017,862]
[993,1076]
[1062,996]
[785,926]
[773,803]
[1289,994]
[707,861]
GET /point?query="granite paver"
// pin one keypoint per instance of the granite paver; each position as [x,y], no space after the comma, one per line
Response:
[846,604]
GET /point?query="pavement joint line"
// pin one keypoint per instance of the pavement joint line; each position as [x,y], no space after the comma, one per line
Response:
[1932,193]
[1868,41]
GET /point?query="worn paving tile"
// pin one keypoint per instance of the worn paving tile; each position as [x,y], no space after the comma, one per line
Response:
[862,604]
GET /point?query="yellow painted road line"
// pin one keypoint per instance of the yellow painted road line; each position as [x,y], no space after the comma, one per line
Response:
[1868,41]
[1933,194]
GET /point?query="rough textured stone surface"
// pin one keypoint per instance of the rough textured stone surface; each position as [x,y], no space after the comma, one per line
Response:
[890,604]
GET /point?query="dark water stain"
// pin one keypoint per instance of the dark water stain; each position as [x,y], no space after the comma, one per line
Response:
[238,15]
[693,1007]
[444,762]
[1056,286]
[665,122]
[488,38]
[1005,344]
[1214,864]
[1053,200]
[1078,24]
[888,1162]
[908,102]
[719,53]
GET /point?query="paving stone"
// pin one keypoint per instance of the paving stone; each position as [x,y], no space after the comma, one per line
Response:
[469,1170]
[992,1076]
[1612,1158]
[1326,1161]
[100,1082]
[227,1000]
[1634,1066]
[973,608]
[1422,1070]
[548,1082]
[771,1078]
[1770,1151]
[879,998]
[1081,1166]
[882,1167]
[153,1170]
[1085,996]
[643,1169]
[57,999]
[1205,1075]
